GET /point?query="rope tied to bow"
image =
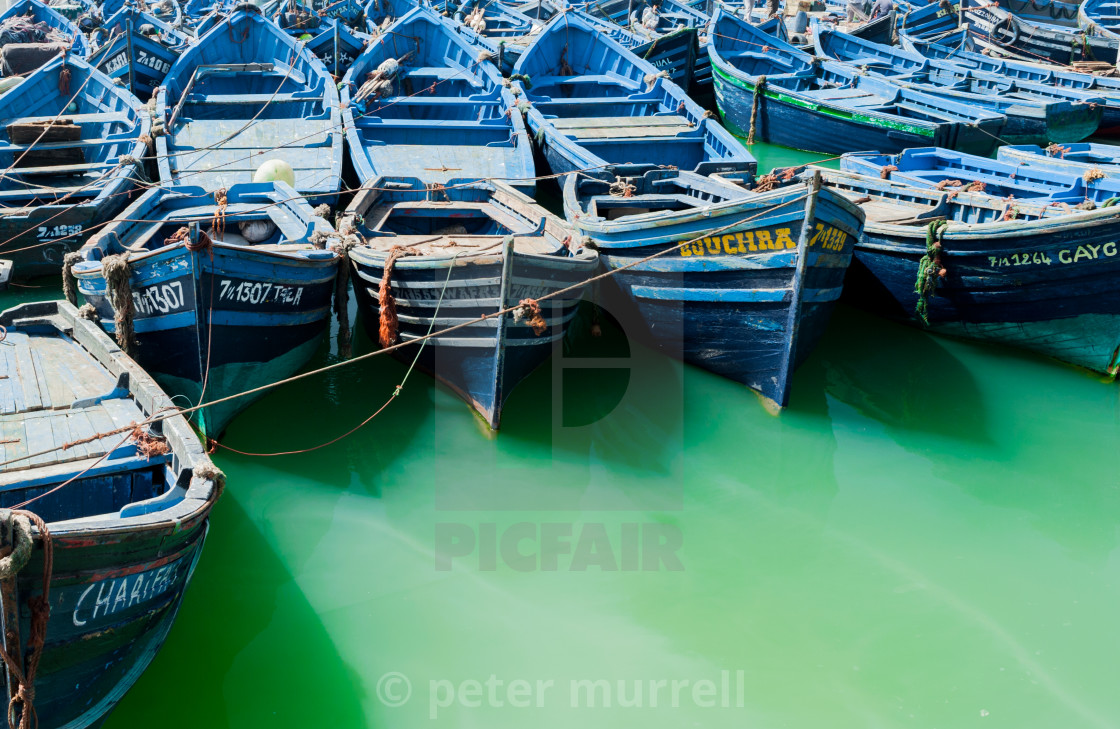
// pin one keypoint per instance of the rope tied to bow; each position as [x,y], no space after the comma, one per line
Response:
[118,276]
[885,173]
[15,526]
[766,183]
[621,188]
[342,292]
[948,183]
[218,225]
[69,280]
[1056,150]
[147,444]
[759,90]
[930,270]
[389,325]
[529,311]
[64,76]
[1093,175]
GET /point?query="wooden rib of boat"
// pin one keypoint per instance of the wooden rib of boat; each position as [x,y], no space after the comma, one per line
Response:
[1068,160]
[138,48]
[74,147]
[959,49]
[831,107]
[244,94]
[1037,277]
[945,169]
[420,102]
[222,311]
[750,294]
[126,533]
[22,58]
[1036,113]
[592,104]
[455,254]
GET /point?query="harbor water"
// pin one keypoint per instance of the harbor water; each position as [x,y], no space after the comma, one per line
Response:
[927,537]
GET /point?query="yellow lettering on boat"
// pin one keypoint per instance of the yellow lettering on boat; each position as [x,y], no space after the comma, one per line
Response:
[739,239]
[728,244]
[1082,252]
[784,240]
[764,242]
[686,249]
[1109,249]
[713,245]
[813,240]
[1063,256]
[698,247]
[749,235]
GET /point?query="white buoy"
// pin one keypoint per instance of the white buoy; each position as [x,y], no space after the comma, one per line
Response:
[275,170]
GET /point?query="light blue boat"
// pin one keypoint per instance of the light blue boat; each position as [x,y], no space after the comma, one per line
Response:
[138,48]
[944,169]
[432,111]
[1084,158]
[228,108]
[593,104]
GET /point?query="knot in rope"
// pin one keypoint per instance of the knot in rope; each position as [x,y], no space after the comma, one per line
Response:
[621,188]
[651,78]
[529,311]
[209,472]
[118,276]
[218,225]
[525,79]
[766,183]
[948,183]
[148,445]
[885,173]
[64,81]
[86,311]
[323,211]
[1093,175]
[930,270]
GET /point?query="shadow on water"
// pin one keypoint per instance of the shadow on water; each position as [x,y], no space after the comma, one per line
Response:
[247,648]
[901,377]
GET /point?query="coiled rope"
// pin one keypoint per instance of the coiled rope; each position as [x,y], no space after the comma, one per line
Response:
[930,270]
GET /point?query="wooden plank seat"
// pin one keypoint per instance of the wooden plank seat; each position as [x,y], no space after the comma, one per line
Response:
[624,127]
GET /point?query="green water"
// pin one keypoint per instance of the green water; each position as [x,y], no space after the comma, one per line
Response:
[926,538]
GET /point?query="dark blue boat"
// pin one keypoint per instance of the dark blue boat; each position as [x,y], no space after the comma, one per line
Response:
[230,107]
[332,41]
[53,197]
[433,259]
[137,48]
[21,58]
[749,294]
[125,515]
[944,169]
[1036,113]
[215,311]
[419,102]
[798,101]
[1004,34]
[1037,277]
[593,104]
[959,48]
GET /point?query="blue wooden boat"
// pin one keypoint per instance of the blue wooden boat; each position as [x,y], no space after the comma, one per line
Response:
[418,102]
[331,40]
[501,30]
[801,102]
[70,159]
[662,22]
[21,58]
[945,169]
[166,11]
[1100,17]
[1068,160]
[1003,34]
[125,522]
[433,259]
[592,104]
[1036,113]
[750,293]
[197,14]
[214,311]
[959,49]
[137,48]
[1041,278]
[226,111]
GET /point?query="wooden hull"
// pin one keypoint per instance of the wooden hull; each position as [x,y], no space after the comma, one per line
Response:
[1005,36]
[139,62]
[743,301]
[256,317]
[126,527]
[482,363]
